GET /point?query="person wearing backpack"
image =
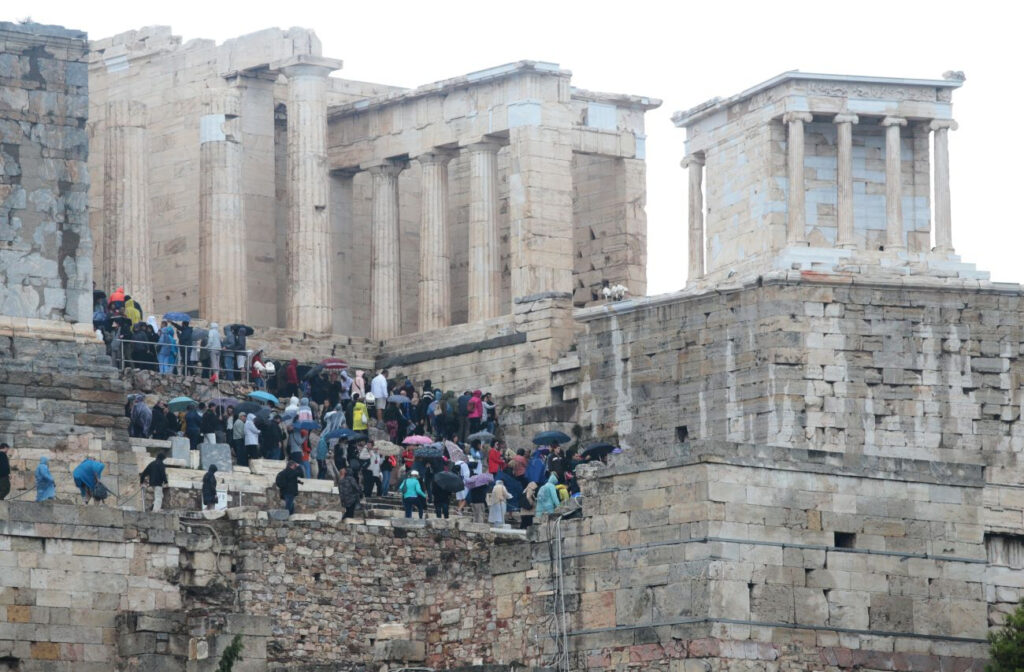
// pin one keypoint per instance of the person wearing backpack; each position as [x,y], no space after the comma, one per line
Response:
[87,479]
[412,494]
[386,466]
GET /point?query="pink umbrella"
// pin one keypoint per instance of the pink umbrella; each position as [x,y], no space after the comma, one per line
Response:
[418,440]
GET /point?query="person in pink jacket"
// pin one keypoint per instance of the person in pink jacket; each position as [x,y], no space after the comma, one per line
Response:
[475,409]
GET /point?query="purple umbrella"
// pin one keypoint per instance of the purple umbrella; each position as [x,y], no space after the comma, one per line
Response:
[479,480]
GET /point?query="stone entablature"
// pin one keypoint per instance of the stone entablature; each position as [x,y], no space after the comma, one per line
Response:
[822,172]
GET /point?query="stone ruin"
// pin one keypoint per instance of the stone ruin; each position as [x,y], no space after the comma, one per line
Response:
[821,430]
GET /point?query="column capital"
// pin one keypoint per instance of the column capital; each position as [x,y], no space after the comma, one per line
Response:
[441,156]
[894,121]
[790,117]
[390,167]
[305,65]
[845,118]
[482,146]
[939,124]
[692,160]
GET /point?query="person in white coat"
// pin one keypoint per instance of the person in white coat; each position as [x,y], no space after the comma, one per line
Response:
[213,346]
[252,441]
[464,493]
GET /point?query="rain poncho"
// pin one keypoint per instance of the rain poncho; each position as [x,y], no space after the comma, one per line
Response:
[45,487]
[547,496]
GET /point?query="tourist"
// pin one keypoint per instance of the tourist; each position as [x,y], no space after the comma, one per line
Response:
[379,388]
[324,468]
[158,427]
[185,341]
[166,348]
[518,466]
[210,488]
[45,487]
[141,418]
[304,413]
[360,417]
[387,465]
[547,497]
[250,441]
[490,418]
[462,409]
[475,411]
[156,474]
[238,436]
[371,461]
[288,481]
[495,462]
[87,478]
[461,495]
[306,452]
[5,471]
[359,384]
[291,378]
[497,499]
[271,438]
[208,425]
[348,492]
[527,505]
[193,425]
[442,500]
[412,494]
[214,344]
[478,502]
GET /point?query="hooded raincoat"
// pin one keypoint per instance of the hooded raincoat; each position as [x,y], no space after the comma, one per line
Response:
[45,487]
[547,496]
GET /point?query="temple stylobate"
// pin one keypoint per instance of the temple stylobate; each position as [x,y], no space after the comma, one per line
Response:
[268,190]
[829,173]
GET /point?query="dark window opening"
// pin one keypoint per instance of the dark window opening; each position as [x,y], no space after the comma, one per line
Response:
[845,540]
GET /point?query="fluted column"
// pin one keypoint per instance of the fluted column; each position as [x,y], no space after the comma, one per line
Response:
[222,264]
[385,259]
[844,179]
[435,285]
[484,242]
[695,166]
[126,252]
[795,224]
[894,239]
[943,210]
[309,245]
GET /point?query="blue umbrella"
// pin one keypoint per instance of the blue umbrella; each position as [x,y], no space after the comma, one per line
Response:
[178,317]
[264,396]
[307,425]
[179,404]
[342,433]
[550,437]
[514,487]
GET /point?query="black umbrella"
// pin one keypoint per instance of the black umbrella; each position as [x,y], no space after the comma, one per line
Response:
[448,482]
[248,329]
[428,452]
[597,451]
[315,371]
[248,407]
[549,437]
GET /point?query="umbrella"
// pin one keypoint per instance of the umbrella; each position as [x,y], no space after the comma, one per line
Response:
[341,433]
[223,402]
[514,487]
[455,453]
[179,404]
[417,440]
[428,452]
[313,372]
[248,329]
[334,364]
[479,480]
[549,437]
[264,396]
[597,451]
[386,448]
[482,436]
[308,425]
[398,399]
[248,407]
[448,481]
[179,317]
[199,335]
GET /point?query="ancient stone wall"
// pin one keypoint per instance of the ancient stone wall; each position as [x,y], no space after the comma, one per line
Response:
[45,243]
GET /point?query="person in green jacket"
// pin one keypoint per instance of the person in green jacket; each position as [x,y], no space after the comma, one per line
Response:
[547,496]
[412,494]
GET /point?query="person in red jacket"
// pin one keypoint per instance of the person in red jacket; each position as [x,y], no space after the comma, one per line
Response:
[495,462]
[475,411]
[291,378]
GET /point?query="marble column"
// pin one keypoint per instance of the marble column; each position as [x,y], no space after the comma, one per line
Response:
[844,179]
[484,241]
[309,244]
[435,287]
[385,258]
[894,239]
[797,216]
[126,252]
[943,210]
[695,166]
[222,262]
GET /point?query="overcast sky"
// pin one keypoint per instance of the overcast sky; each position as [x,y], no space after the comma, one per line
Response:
[681,52]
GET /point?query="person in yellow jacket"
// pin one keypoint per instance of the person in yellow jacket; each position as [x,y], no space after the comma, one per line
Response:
[132,310]
[359,414]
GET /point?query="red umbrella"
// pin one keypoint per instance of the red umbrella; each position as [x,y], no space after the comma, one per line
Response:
[334,364]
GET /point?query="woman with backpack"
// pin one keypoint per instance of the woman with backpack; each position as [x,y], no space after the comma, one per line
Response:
[387,465]
[412,494]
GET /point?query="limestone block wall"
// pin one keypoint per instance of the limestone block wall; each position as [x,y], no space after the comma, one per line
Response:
[897,369]
[726,556]
[45,242]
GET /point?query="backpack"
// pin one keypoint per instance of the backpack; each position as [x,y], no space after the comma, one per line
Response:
[100,492]
[392,461]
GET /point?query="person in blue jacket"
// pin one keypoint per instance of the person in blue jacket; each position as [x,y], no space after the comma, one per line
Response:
[45,487]
[87,476]
[412,494]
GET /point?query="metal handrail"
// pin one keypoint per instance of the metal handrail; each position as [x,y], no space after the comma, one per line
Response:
[123,361]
